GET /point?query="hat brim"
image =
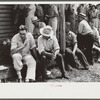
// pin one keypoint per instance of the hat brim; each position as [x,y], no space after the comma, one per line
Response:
[42,33]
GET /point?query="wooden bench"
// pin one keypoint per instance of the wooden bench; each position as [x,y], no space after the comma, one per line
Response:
[6,73]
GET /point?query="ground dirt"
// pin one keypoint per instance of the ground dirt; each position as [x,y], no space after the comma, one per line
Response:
[91,75]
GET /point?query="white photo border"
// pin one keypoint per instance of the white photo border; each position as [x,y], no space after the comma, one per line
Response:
[68,90]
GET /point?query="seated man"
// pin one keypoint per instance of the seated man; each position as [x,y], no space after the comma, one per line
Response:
[72,51]
[21,45]
[48,48]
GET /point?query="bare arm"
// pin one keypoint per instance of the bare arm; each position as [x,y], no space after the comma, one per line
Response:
[47,54]
[56,52]
[13,51]
[55,15]
[16,50]
[80,28]
[74,49]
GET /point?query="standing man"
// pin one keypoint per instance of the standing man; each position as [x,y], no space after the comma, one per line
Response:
[37,25]
[85,37]
[21,45]
[72,51]
[48,48]
[52,17]
[19,15]
[30,13]
[39,12]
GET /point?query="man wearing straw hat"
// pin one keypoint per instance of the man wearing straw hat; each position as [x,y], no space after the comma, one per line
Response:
[48,48]
[85,37]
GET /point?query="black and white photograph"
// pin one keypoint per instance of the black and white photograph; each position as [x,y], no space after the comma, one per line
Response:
[50,45]
[50,42]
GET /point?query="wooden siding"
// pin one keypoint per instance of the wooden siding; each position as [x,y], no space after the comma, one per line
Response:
[7,28]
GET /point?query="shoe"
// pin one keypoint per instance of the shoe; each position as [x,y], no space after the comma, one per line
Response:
[86,68]
[29,81]
[26,80]
[98,60]
[69,68]
[63,76]
[20,80]
[48,72]
[91,63]
[44,80]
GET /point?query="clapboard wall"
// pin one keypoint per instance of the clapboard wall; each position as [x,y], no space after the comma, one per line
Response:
[7,28]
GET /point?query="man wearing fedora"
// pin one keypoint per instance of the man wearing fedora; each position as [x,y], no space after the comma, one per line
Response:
[85,37]
[21,45]
[48,48]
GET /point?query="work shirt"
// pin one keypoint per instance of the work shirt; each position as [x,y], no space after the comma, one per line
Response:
[70,39]
[17,43]
[53,10]
[84,28]
[50,45]
[31,10]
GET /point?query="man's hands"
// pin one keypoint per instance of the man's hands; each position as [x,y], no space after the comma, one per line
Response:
[16,50]
[47,16]
[25,44]
[53,56]
[74,52]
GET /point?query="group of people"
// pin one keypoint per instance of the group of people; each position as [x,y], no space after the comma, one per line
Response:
[36,47]
[23,47]
[23,14]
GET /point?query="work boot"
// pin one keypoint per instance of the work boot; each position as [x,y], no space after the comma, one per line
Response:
[20,80]
[64,76]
